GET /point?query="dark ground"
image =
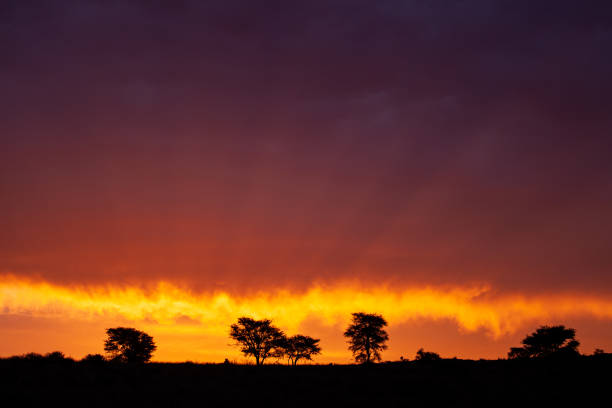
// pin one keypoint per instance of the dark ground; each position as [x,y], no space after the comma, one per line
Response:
[547,383]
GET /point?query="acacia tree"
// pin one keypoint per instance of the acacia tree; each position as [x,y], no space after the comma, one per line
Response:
[367,337]
[301,347]
[128,345]
[258,338]
[547,341]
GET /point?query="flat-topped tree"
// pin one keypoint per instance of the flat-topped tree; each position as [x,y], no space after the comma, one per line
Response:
[367,337]
[547,341]
[258,338]
[128,345]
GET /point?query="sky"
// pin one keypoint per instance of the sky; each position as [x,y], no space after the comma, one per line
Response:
[173,166]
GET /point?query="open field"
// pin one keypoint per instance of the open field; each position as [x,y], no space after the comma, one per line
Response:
[578,382]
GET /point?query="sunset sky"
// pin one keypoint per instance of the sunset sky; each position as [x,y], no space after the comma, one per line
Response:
[172,166]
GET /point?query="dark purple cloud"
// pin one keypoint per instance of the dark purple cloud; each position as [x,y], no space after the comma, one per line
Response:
[271,142]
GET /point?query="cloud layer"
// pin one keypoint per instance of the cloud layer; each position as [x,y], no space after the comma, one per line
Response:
[176,308]
[232,145]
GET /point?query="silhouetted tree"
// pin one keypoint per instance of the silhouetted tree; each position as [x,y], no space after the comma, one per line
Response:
[547,341]
[258,338]
[33,357]
[128,345]
[56,356]
[93,359]
[301,347]
[422,355]
[517,352]
[367,337]
[598,352]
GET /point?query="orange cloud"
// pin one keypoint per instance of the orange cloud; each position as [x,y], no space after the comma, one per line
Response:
[176,309]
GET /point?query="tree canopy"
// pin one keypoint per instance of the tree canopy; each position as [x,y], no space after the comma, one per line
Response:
[128,345]
[367,337]
[301,347]
[258,338]
[422,355]
[93,359]
[547,341]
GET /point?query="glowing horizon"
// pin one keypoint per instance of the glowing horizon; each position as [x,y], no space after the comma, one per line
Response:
[171,309]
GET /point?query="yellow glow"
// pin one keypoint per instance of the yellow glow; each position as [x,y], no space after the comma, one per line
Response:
[180,311]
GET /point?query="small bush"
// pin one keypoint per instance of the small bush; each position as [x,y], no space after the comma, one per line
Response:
[93,359]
